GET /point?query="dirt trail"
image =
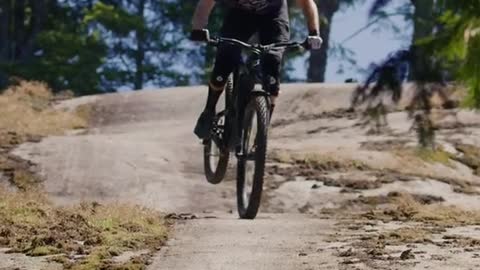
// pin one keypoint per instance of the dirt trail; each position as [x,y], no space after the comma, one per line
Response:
[142,150]
[270,242]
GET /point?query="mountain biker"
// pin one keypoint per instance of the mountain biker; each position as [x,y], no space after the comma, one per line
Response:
[243,19]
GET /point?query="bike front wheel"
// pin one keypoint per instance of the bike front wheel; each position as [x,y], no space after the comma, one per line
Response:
[251,161]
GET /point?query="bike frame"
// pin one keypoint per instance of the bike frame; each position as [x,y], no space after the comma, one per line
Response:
[246,75]
[242,127]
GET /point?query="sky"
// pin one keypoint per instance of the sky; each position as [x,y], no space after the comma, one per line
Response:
[369,46]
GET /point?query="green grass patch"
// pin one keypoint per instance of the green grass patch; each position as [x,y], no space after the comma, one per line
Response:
[433,156]
[43,251]
[425,154]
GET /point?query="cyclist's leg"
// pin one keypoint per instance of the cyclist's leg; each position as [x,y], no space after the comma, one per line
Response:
[239,25]
[274,28]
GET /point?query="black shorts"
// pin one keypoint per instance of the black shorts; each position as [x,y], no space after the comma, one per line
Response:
[242,25]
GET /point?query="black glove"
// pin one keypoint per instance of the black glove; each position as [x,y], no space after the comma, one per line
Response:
[313,41]
[200,35]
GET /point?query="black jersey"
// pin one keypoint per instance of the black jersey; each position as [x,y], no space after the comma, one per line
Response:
[257,6]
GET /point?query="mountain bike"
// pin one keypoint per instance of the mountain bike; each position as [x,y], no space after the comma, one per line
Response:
[242,127]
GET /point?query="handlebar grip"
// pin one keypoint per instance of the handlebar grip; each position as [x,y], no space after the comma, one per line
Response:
[213,42]
[206,34]
[200,35]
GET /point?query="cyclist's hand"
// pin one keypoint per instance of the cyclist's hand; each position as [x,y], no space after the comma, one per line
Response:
[200,35]
[313,43]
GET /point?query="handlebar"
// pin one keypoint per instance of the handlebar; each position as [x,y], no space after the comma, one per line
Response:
[216,41]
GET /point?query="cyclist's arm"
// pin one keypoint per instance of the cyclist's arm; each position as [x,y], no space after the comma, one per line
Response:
[202,12]
[311,14]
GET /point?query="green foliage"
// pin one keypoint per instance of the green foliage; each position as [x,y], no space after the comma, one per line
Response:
[94,46]
[69,61]
[114,18]
[459,43]
[471,71]
[65,53]
[143,41]
[455,41]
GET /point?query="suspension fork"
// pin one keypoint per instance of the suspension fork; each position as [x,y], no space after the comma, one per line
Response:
[245,87]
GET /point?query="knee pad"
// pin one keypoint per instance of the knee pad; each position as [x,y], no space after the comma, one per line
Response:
[271,84]
[217,82]
[271,70]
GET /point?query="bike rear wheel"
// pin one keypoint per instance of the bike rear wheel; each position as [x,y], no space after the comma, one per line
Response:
[215,162]
[215,151]
[251,162]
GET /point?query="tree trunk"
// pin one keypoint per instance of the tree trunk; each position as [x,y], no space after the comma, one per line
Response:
[140,52]
[318,59]
[4,31]
[39,16]
[19,27]
[423,25]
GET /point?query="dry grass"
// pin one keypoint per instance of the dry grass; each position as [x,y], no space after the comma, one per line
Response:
[460,241]
[314,166]
[281,156]
[406,208]
[470,157]
[85,236]
[392,198]
[28,114]
[425,155]
[81,237]
[405,235]
[316,161]
[27,109]
[400,236]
